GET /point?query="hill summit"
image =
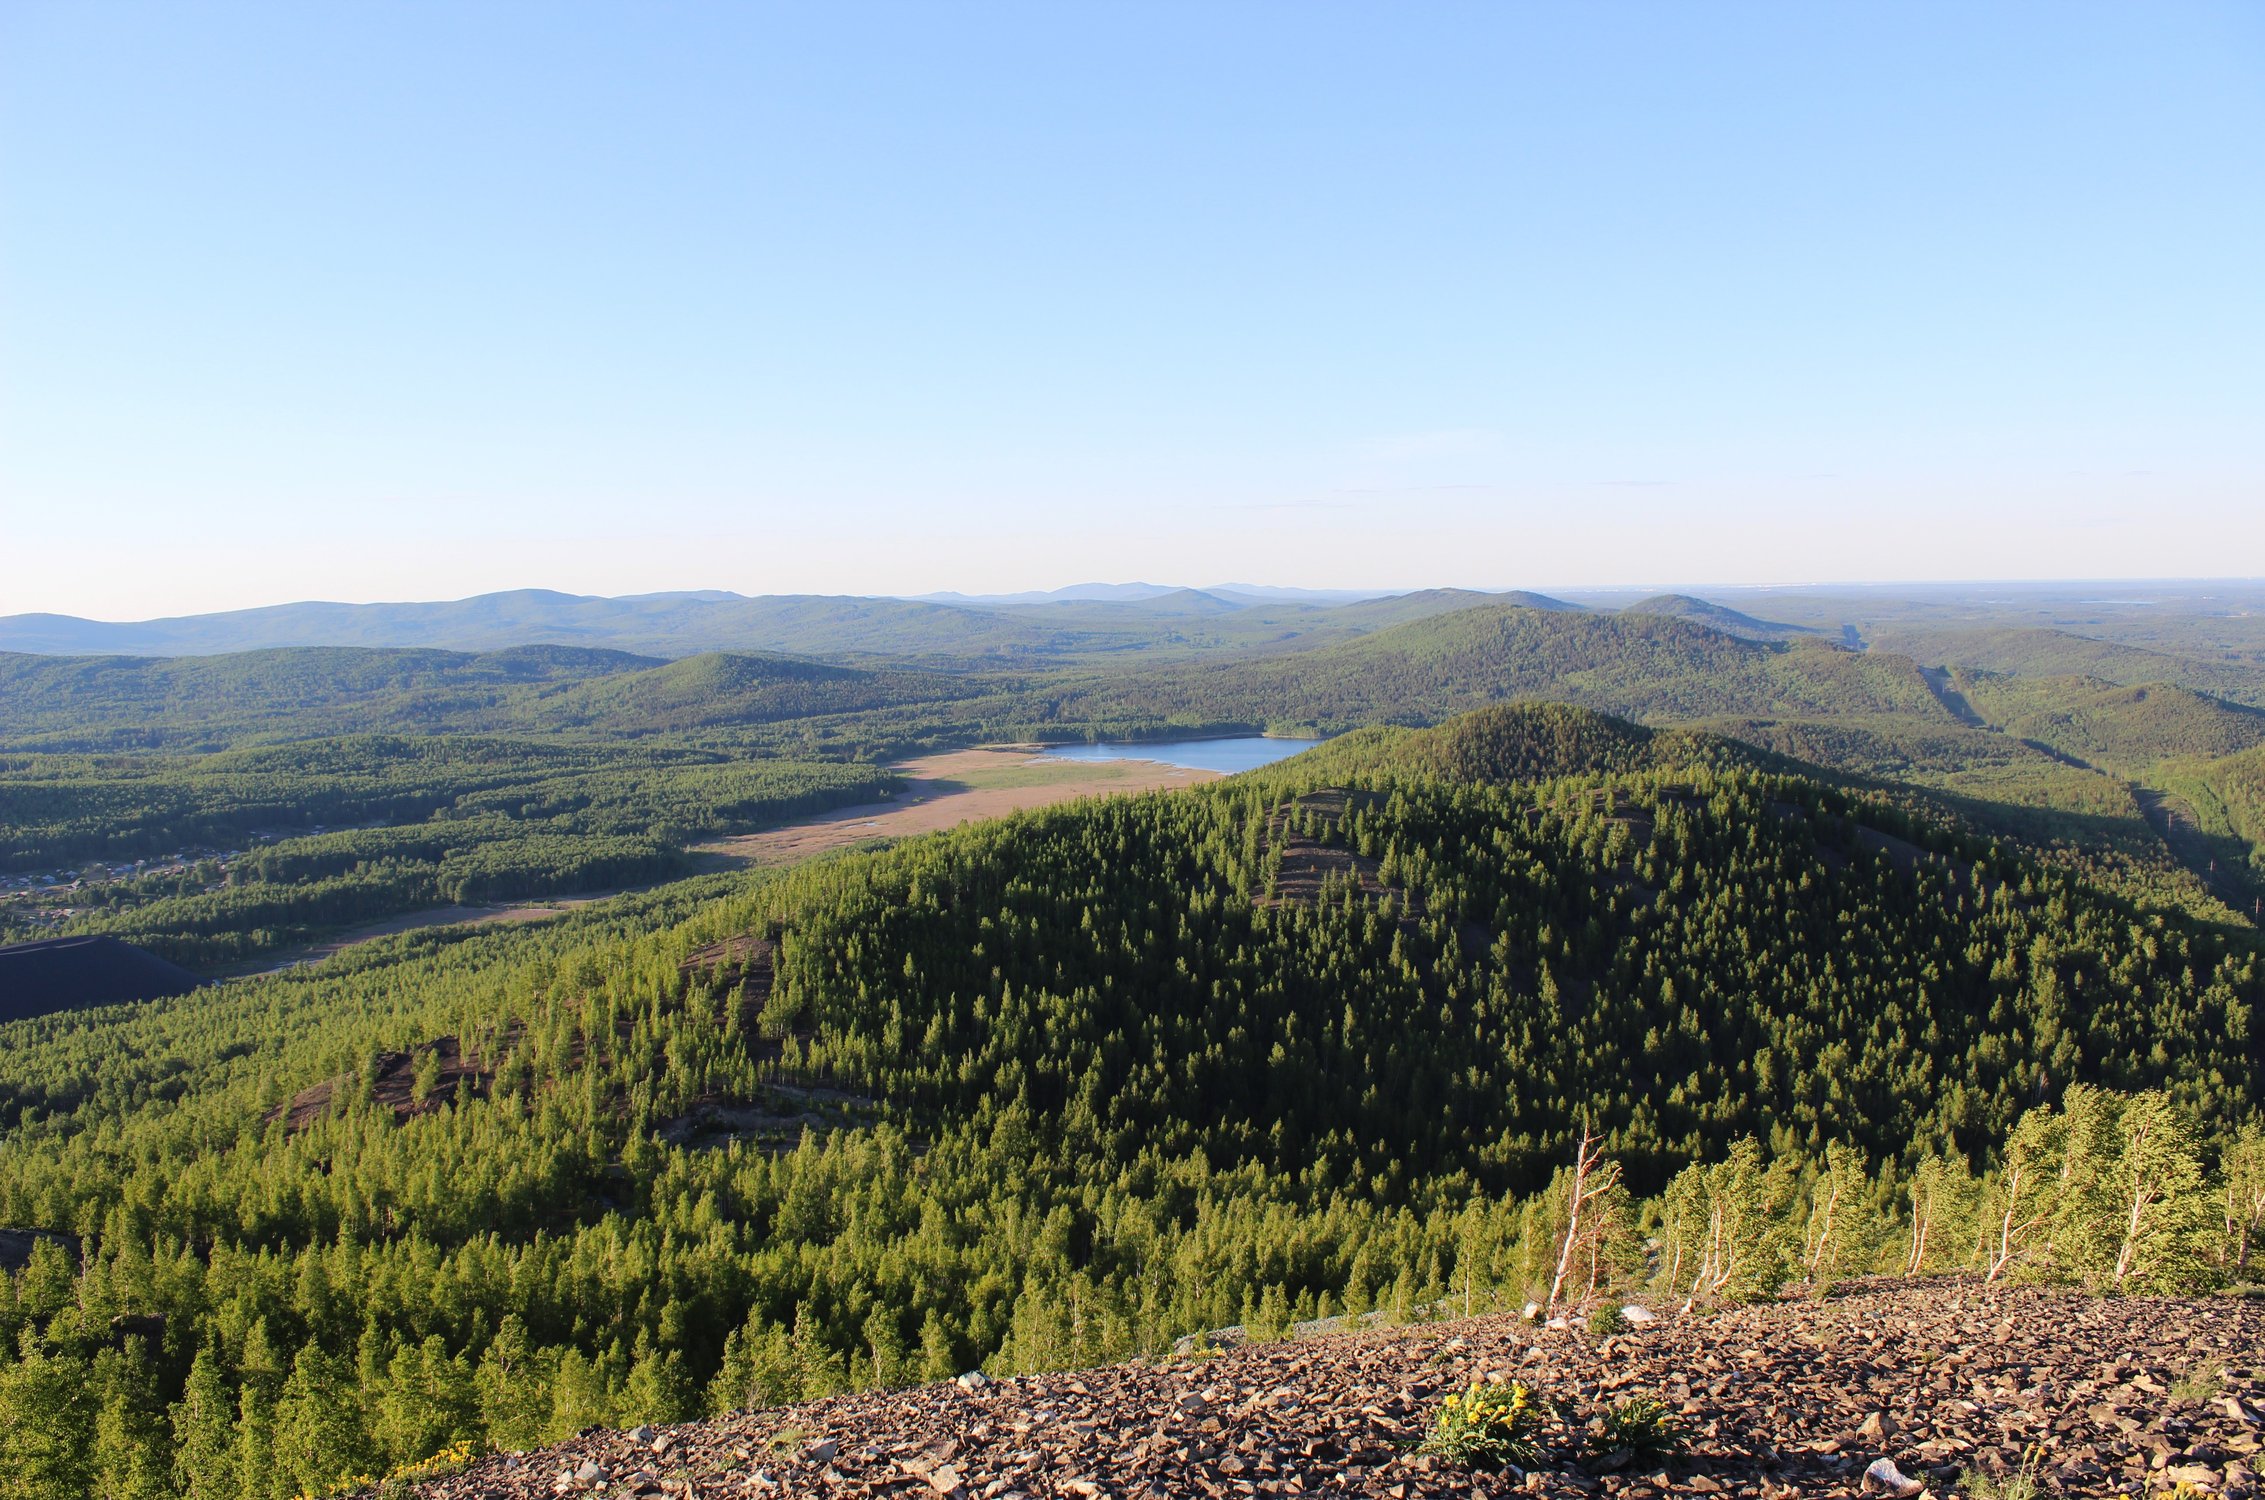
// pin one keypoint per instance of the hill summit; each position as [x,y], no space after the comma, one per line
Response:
[1932,1382]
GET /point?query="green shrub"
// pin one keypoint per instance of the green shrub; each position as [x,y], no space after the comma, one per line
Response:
[1642,1425]
[1608,1319]
[1488,1426]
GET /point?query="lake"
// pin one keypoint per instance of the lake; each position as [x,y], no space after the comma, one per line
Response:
[1227,756]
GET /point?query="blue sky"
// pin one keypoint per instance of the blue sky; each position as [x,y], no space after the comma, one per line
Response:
[409,301]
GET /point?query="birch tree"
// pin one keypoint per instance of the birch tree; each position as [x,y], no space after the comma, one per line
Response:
[2156,1190]
[2242,1184]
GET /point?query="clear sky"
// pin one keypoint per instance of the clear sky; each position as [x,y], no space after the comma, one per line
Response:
[412,300]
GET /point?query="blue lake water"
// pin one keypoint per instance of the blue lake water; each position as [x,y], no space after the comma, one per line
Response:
[1227,756]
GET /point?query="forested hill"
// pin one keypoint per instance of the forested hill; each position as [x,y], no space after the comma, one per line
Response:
[1067,1086]
[1419,671]
[1531,741]
[140,703]
[2057,653]
[1645,666]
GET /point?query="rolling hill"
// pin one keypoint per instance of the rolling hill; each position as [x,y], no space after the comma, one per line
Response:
[1061,1088]
[1648,667]
[1716,616]
[2123,729]
[2056,653]
[209,702]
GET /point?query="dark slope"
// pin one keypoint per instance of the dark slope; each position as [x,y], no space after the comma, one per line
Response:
[78,973]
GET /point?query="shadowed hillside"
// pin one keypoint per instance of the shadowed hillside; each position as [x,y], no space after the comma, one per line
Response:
[79,973]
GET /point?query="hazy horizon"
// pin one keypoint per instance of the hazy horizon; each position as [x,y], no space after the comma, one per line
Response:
[1627,591]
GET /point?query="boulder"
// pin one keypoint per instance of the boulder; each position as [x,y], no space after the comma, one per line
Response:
[1884,1478]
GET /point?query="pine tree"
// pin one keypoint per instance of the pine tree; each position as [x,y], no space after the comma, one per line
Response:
[938,1359]
[1942,1194]
[256,1474]
[131,1453]
[204,1434]
[2018,1200]
[319,1441]
[47,1425]
[428,1402]
[659,1389]
[514,1386]
[1730,1239]
[884,1348]
[1836,1229]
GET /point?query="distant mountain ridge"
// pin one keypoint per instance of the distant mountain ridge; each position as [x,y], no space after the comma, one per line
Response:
[1087,619]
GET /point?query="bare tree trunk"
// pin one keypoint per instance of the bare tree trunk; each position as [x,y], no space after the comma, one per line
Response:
[2141,1196]
[1584,1158]
[1823,1237]
[2007,1228]
[1922,1216]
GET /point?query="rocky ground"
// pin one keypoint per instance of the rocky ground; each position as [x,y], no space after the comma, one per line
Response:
[1946,1380]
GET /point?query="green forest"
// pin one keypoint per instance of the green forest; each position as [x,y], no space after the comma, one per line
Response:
[1315,1041]
[271,846]
[1756,911]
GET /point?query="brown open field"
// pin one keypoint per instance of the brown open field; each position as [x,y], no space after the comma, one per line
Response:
[944,791]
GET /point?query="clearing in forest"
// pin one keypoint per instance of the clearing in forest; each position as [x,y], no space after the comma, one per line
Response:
[944,791]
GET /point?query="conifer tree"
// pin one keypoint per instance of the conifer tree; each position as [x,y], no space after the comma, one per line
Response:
[131,1457]
[1835,1231]
[47,1425]
[204,1433]
[1941,1193]
[514,1387]
[319,1443]
[2019,1198]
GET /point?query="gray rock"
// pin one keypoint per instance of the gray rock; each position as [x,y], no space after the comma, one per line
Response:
[974,1380]
[1635,1314]
[822,1451]
[1884,1478]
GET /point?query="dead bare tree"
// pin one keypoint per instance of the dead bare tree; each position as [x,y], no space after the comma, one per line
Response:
[1593,1177]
